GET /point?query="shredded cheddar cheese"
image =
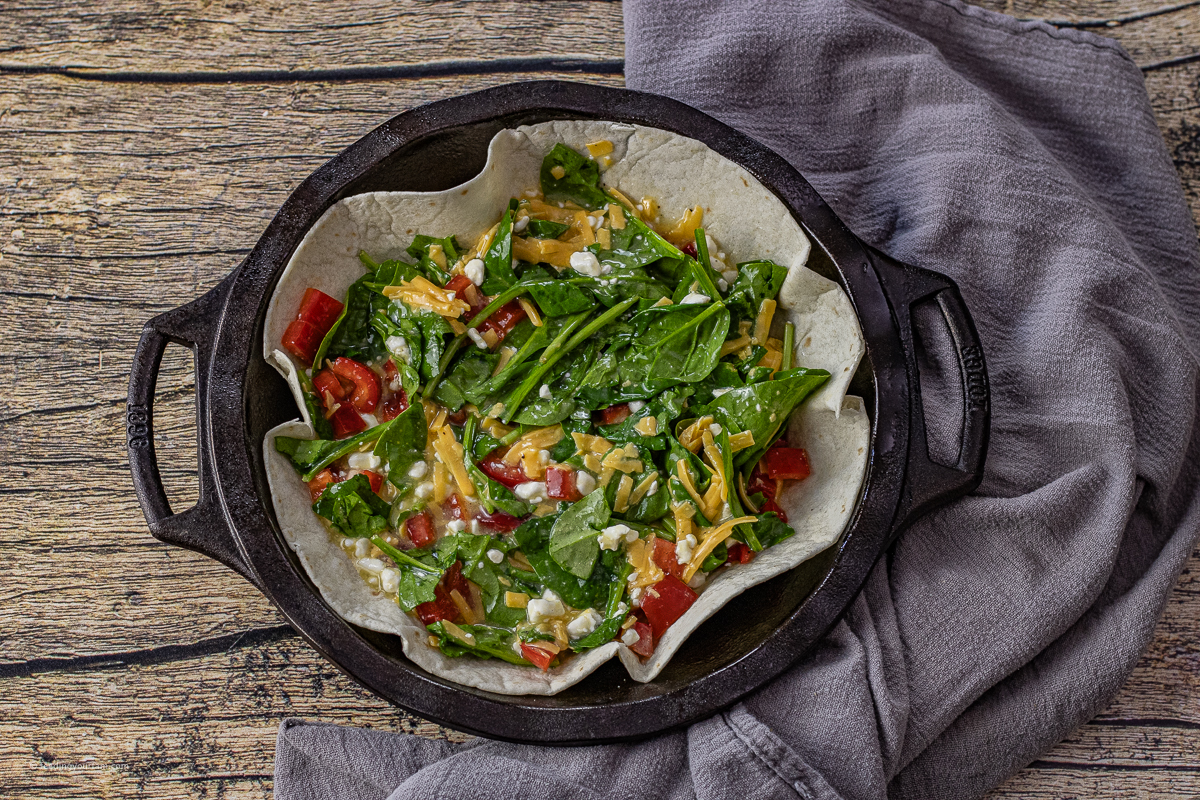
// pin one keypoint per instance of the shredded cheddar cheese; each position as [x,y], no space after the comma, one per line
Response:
[516,599]
[600,148]
[624,489]
[557,171]
[616,217]
[709,541]
[685,477]
[647,426]
[643,488]
[646,572]
[740,441]
[684,230]
[451,454]
[531,312]
[762,324]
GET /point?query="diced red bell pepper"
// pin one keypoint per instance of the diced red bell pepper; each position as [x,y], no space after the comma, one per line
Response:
[346,421]
[420,529]
[325,382]
[786,464]
[503,320]
[320,483]
[560,484]
[739,554]
[664,555]
[613,415]
[390,374]
[395,404]
[644,646]
[457,418]
[466,291]
[665,602]
[508,474]
[318,311]
[366,382]
[455,506]
[690,249]
[761,484]
[499,522]
[375,479]
[537,656]
[771,505]
[442,606]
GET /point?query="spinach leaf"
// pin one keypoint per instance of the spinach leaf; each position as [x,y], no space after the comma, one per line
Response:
[578,182]
[545,229]
[561,386]
[419,574]
[491,494]
[573,544]
[623,283]
[716,558]
[664,408]
[483,573]
[485,642]
[636,245]
[557,298]
[403,342]
[746,532]
[403,444]
[425,332]
[675,344]
[419,249]
[756,281]
[770,529]
[650,508]
[352,508]
[466,379]
[764,408]
[498,258]
[534,540]
[310,456]
[614,613]
[315,406]
[724,377]
[352,335]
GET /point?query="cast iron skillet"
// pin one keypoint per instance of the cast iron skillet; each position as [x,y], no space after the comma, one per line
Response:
[918,332]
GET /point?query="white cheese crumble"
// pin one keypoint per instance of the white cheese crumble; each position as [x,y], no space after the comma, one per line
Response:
[630,637]
[364,461]
[584,482]
[389,580]
[729,276]
[683,550]
[697,580]
[716,428]
[612,536]
[544,392]
[653,490]
[474,336]
[495,556]
[361,548]
[723,284]
[398,347]
[521,224]
[531,492]
[456,526]
[635,596]
[584,624]
[548,606]
[585,263]
[370,419]
[371,565]
[474,271]
[418,470]
[695,298]
[636,406]
[423,490]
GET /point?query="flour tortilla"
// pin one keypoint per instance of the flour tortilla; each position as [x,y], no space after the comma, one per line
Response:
[748,222]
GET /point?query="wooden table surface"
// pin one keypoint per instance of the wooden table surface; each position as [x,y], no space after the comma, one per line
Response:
[143,148]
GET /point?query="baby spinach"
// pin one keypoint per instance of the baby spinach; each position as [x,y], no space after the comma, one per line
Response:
[764,408]
[756,281]
[558,298]
[534,540]
[580,180]
[466,380]
[614,613]
[498,258]
[488,642]
[545,229]
[352,335]
[573,544]
[771,530]
[352,508]
[664,408]
[315,406]
[675,344]
[419,249]
[310,456]
[403,444]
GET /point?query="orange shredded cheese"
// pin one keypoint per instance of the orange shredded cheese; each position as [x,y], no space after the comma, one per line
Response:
[709,541]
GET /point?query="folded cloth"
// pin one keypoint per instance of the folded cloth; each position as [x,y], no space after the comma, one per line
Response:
[1024,162]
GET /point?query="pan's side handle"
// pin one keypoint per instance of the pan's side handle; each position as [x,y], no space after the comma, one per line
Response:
[202,527]
[928,306]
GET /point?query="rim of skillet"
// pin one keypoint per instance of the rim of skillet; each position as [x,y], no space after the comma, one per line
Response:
[237,460]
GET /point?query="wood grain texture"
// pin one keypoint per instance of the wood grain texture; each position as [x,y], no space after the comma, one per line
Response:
[143,148]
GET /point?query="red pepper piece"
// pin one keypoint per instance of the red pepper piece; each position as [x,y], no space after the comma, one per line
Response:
[560,484]
[318,311]
[739,554]
[499,521]
[537,656]
[320,483]
[393,406]
[366,383]
[786,464]
[375,479]
[690,249]
[613,415]
[761,484]
[457,418]
[325,382]
[664,556]
[644,646]
[466,291]
[442,607]
[508,474]
[665,602]
[503,320]
[420,529]
[771,505]
[346,421]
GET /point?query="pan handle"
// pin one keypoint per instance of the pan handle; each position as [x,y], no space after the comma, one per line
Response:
[202,527]
[927,306]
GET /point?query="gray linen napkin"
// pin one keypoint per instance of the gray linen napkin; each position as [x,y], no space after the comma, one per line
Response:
[1023,161]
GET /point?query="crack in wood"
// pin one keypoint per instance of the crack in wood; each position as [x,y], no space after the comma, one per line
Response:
[1171,62]
[254,637]
[428,69]
[1112,22]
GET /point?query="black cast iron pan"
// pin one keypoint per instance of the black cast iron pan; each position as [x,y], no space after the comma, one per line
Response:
[922,355]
